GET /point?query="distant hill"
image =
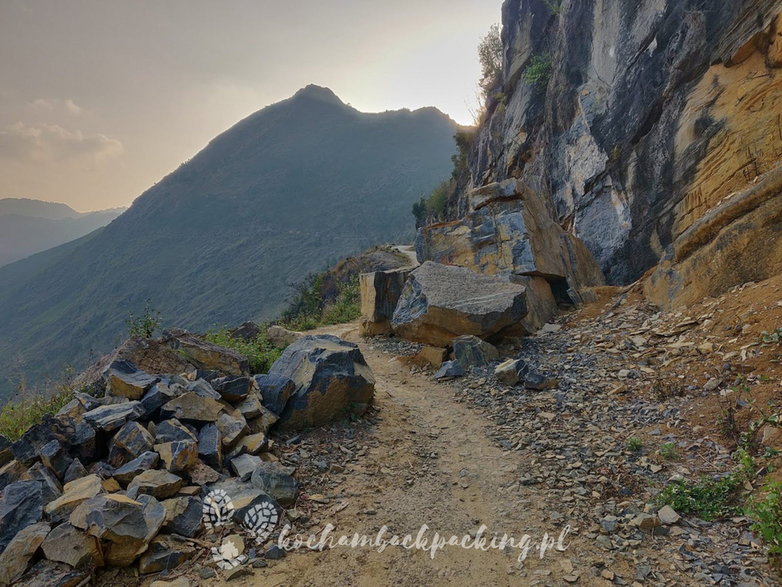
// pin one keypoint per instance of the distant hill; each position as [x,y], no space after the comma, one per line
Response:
[285,192]
[31,226]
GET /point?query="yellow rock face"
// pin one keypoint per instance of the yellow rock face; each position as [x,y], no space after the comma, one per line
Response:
[747,99]
[738,241]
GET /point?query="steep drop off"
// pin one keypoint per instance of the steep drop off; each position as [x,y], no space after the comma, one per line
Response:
[290,188]
[634,121]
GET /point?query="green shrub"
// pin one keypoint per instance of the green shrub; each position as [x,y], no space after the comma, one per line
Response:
[555,6]
[312,308]
[708,498]
[668,451]
[490,58]
[634,444]
[538,71]
[260,352]
[143,326]
[766,514]
[771,337]
[17,417]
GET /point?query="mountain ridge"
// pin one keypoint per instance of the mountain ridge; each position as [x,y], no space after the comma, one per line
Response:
[220,239]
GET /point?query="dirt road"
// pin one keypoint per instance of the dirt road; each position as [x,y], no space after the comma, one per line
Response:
[432,463]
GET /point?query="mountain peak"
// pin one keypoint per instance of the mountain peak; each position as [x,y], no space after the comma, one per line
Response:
[320,93]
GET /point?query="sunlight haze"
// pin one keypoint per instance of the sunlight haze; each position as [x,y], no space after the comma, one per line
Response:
[101,99]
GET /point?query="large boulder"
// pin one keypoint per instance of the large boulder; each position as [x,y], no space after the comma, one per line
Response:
[274,391]
[441,302]
[206,355]
[508,230]
[124,526]
[21,505]
[331,377]
[380,293]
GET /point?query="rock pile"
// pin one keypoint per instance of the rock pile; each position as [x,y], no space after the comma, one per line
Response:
[131,473]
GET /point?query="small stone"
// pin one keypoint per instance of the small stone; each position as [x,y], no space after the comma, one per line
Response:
[146,461]
[73,494]
[538,382]
[172,430]
[274,553]
[277,481]
[124,526]
[72,546]
[179,455]
[210,447]
[712,384]
[113,416]
[125,380]
[11,472]
[234,389]
[159,484]
[190,407]
[275,390]
[75,471]
[511,371]
[56,458]
[668,515]
[15,557]
[471,351]
[244,465]
[449,370]
[202,474]
[207,573]
[51,488]
[184,516]
[129,443]
[231,428]
[163,555]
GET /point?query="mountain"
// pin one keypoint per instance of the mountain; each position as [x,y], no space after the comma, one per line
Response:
[219,241]
[30,226]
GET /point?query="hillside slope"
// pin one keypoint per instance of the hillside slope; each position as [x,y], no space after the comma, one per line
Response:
[31,226]
[279,195]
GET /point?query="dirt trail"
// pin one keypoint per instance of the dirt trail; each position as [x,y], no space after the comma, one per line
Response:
[432,463]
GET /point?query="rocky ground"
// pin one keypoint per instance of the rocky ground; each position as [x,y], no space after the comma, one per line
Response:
[469,452]
[472,451]
[459,454]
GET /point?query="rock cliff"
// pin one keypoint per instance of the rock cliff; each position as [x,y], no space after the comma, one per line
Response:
[631,122]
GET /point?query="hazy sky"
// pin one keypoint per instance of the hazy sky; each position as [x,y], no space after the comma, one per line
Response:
[99,99]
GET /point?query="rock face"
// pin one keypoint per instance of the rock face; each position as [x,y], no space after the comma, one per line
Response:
[441,302]
[743,233]
[331,378]
[380,293]
[625,126]
[509,231]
